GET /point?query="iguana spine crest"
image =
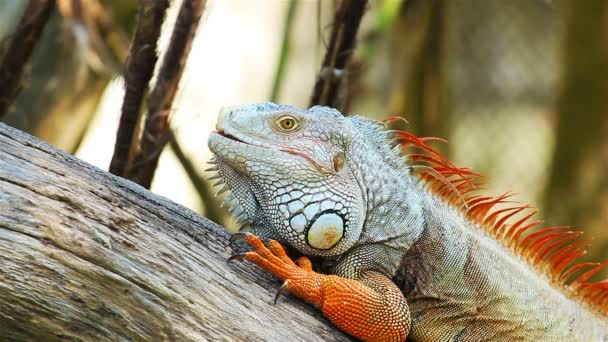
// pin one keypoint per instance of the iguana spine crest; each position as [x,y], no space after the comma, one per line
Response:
[553,251]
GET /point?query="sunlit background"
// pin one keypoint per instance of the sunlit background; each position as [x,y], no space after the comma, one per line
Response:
[518,88]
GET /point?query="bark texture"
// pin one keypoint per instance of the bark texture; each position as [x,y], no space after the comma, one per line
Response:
[85,255]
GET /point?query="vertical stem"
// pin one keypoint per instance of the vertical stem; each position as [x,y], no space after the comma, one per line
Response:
[156,129]
[341,46]
[20,48]
[285,47]
[140,67]
[203,189]
[578,186]
[417,91]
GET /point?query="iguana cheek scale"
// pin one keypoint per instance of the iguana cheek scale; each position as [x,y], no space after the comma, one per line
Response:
[336,187]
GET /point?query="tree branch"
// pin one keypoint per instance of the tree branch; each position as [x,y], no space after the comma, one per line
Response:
[140,67]
[341,46]
[160,101]
[85,255]
[16,56]
[204,190]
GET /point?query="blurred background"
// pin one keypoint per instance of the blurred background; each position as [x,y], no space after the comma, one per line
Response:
[519,87]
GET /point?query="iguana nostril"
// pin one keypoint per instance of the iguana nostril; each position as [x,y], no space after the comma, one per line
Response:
[224,115]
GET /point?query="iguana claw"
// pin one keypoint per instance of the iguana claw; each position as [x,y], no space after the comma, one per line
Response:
[239,236]
[239,256]
[280,291]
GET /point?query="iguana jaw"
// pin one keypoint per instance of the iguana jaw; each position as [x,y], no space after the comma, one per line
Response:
[237,162]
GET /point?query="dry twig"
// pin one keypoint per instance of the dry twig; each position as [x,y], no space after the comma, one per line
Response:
[140,67]
[341,46]
[163,94]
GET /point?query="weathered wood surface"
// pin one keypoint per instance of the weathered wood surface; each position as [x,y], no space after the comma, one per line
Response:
[85,255]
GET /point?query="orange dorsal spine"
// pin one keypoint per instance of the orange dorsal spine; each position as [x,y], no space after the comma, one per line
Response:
[553,250]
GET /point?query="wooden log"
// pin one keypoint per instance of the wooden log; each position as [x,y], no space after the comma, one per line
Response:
[85,255]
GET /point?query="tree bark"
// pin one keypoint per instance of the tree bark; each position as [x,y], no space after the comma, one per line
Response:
[85,255]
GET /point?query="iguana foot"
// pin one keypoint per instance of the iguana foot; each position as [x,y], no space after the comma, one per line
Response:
[273,258]
[371,308]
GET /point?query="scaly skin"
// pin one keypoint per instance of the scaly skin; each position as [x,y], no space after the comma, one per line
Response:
[334,187]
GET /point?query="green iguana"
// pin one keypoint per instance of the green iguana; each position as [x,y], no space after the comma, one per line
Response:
[336,187]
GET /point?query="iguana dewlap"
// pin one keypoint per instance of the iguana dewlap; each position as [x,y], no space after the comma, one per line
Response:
[336,187]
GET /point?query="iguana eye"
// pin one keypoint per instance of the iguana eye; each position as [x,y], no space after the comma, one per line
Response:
[287,123]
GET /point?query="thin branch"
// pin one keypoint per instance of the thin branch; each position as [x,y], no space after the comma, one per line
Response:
[341,46]
[285,48]
[140,67]
[165,89]
[204,191]
[19,50]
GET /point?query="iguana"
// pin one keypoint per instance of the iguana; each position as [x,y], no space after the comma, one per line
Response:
[336,187]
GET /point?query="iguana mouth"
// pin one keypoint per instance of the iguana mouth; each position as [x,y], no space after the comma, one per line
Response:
[230,136]
[261,149]
[222,137]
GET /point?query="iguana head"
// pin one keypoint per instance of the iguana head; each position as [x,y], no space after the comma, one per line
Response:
[290,175]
